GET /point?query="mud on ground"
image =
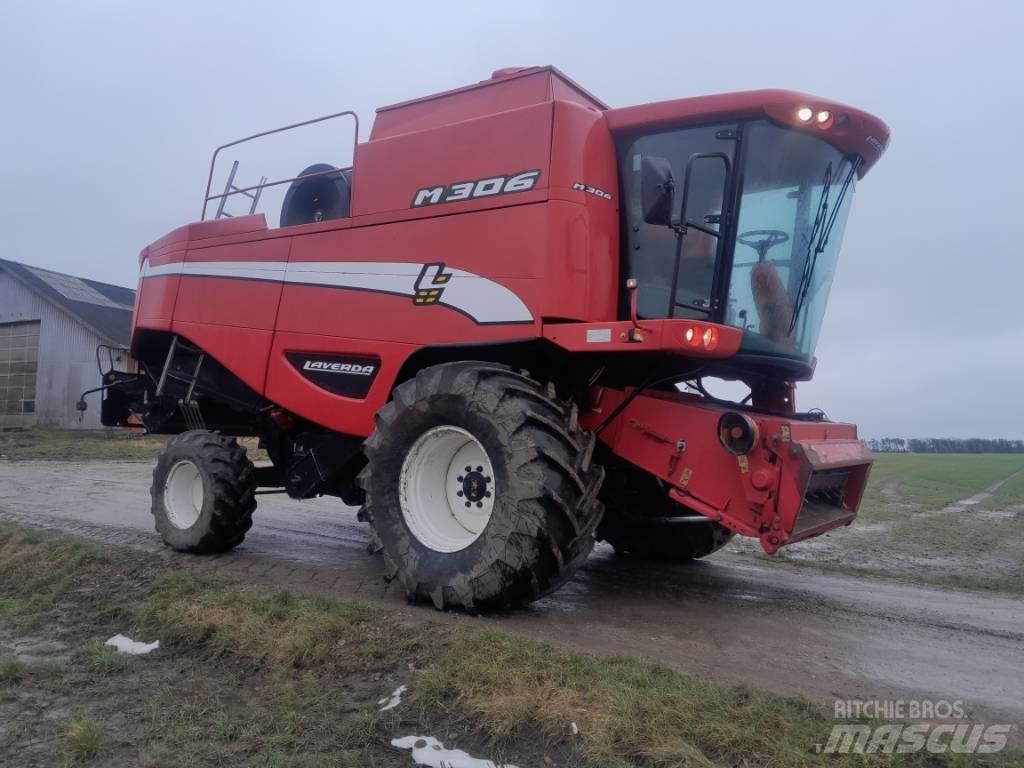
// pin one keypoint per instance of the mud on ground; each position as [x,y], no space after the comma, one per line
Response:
[785,629]
[247,675]
[68,699]
[976,541]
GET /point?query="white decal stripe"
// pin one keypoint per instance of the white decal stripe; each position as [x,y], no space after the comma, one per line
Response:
[482,299]
[243,270]
[405,268]
[401,283]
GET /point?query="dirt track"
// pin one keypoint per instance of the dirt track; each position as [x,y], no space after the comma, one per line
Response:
[785,629]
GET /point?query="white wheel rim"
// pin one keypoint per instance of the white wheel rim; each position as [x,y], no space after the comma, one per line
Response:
[446,489]
[183,494]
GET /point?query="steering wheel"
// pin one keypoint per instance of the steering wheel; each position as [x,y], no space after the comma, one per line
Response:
[762,240]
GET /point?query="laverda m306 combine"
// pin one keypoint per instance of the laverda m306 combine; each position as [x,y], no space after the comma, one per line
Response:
[480,334]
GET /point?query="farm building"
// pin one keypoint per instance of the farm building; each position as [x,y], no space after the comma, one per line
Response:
[50,327]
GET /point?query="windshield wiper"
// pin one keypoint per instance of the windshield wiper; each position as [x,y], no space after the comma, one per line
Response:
[812,248]
[820,232]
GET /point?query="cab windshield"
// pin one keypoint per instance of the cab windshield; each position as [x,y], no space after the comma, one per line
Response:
[764,250]
[794,200]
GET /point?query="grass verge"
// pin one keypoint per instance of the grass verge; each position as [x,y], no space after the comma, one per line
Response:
[247,676]
[32,588]
[48,443]
[82,740]
[53,444]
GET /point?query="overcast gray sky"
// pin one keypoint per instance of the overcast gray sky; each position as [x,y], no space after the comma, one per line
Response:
[110,110]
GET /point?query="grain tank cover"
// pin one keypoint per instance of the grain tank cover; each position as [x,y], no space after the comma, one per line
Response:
[509,88]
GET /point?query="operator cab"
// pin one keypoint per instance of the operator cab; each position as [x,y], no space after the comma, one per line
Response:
[738,223]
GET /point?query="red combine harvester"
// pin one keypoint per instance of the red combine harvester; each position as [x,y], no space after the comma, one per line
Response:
[480,334]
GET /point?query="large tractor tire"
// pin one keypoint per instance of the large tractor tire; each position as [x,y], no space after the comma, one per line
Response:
[204,493]
[480,487]
[637,520]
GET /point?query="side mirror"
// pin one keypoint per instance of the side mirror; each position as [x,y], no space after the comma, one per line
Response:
[657,189]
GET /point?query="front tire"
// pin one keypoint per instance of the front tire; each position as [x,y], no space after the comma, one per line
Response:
[480,487]
[203,493]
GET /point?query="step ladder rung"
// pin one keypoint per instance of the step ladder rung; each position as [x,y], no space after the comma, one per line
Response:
[231,189]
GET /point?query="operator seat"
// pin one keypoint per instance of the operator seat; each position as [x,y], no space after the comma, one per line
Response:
[319,198]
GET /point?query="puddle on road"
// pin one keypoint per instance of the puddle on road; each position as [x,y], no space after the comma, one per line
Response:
[748,596]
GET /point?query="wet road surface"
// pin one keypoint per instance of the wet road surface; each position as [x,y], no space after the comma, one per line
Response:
[786,629]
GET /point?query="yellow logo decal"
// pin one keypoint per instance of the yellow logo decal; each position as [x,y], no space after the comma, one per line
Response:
[430,284]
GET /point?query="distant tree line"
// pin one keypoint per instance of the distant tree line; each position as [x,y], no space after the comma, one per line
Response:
[945,445]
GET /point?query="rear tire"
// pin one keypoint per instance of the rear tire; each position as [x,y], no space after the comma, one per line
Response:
[480,487]
[203,492]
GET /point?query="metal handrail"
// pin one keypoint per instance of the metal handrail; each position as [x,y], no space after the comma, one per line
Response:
[213,160]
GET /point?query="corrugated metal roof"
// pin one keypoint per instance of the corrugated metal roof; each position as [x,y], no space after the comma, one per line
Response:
[105,308]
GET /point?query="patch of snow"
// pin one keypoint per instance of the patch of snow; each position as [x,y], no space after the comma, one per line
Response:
[127,645]
[426,750]
[392,701]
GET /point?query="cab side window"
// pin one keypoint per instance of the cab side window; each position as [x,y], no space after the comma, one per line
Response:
[650,255]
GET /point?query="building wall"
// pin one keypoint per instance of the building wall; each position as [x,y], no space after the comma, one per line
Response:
[67,358]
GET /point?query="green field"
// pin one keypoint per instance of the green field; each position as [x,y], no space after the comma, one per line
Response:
[914,525]
[931,481]
[1009,496]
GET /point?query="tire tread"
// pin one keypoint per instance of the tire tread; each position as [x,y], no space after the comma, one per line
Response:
[232,478]
[558,508]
